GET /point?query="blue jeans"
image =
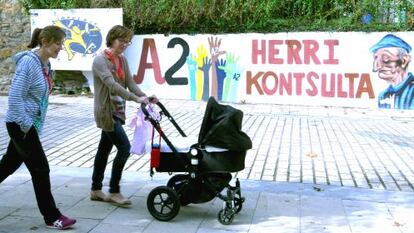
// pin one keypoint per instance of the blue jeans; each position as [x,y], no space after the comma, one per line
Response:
[118,138]
[27,149]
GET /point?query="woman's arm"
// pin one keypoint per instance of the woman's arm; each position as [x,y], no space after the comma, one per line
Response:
[18,93]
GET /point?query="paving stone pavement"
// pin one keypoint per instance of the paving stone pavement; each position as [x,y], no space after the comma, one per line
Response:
[350,147]
[311,169]
[270,206]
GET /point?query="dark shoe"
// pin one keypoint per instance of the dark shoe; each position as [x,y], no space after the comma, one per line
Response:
[62,223]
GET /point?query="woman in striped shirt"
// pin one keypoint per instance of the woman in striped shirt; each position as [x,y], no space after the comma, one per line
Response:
[27,105]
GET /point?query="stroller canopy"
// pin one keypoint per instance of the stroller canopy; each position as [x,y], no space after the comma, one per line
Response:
[221,127]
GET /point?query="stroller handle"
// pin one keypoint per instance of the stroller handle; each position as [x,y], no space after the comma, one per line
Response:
[155,123]
[165,112]
[157,126]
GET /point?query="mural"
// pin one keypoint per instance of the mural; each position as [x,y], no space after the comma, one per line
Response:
[210,71]
[85,30]
[81,37]
[220,69]
[280,68]
[391,60]
[300,68]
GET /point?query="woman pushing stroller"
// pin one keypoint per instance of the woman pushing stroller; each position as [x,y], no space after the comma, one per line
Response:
[113,85]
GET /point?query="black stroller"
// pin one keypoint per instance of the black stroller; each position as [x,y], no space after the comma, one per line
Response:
[205,166]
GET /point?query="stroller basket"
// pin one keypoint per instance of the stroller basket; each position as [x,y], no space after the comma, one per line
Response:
[207,162]
[226,161]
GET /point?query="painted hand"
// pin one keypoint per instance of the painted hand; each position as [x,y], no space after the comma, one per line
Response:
[214,44]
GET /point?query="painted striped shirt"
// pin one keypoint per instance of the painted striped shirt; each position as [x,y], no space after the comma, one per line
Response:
[400,96]
[28,94]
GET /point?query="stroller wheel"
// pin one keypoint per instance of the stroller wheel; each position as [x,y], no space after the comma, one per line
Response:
[225,217]
[238,200]
[239,204]
[163,203]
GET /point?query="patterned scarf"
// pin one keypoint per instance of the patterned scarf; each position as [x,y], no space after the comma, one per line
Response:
[118,65]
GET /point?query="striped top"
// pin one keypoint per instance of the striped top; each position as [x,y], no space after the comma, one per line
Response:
[400,96]
[28,94]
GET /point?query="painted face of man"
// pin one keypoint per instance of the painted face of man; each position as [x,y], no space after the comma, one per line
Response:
[389,65]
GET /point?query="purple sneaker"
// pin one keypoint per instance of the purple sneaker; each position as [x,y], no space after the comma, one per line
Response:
[62,223]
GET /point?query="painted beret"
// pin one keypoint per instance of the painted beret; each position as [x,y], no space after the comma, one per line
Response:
[390,40]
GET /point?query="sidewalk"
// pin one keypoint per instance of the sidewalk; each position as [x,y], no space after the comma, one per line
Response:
[269,207]
[311,169]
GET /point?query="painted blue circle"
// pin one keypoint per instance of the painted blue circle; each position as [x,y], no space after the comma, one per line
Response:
[83,37]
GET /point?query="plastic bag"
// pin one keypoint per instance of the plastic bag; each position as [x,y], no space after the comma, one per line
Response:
[142,132]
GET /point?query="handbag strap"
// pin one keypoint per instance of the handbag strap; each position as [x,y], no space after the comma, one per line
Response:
[152,139]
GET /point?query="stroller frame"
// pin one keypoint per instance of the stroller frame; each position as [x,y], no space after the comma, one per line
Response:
[164,202]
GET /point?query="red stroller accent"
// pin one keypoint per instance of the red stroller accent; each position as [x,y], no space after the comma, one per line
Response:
[207,163]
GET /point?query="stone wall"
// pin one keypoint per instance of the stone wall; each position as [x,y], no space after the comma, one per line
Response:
[14,36]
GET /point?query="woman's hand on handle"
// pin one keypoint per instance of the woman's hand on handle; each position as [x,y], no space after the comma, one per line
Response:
[153,99]
[144,99]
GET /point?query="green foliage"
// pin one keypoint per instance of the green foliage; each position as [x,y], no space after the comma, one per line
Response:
[46,4]
[237,16]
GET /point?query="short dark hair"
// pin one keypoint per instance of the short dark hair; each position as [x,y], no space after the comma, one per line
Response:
[49,33]
[118,32]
